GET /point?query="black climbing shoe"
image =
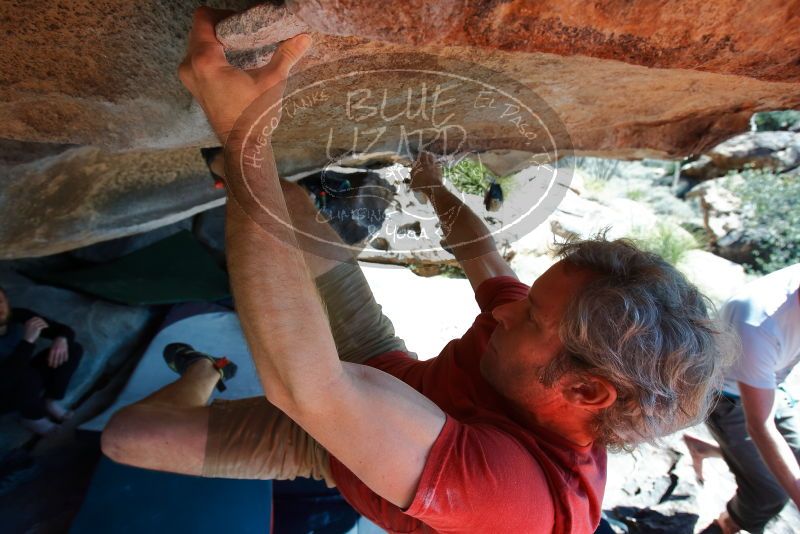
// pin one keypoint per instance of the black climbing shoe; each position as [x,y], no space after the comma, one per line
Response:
[179,356]
[209,154]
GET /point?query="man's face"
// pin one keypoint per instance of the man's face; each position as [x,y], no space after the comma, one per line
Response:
[526,338]
[5,309]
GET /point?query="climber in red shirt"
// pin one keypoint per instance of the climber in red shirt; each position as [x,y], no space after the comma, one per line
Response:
[505,431]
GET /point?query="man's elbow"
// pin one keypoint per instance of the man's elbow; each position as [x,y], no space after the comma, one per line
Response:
[280,396]
[288,397]
[304,399]
[760,430]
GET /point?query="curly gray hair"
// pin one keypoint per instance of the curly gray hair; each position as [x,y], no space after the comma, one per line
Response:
[646,329]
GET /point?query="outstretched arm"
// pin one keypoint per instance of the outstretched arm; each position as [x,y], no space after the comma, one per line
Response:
[464,232]
[759,410]
[357,413]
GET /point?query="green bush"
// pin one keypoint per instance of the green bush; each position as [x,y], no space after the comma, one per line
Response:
[667,240]
[771,216]
[472,177]
[770,121]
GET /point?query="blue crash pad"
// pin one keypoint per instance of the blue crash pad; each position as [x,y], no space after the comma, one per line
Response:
[129,500]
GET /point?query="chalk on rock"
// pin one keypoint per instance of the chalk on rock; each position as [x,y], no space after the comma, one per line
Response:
[258,27]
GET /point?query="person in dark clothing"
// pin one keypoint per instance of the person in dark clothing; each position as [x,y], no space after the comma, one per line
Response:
[34,384]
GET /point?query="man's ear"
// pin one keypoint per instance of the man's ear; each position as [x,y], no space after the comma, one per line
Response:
[588,391]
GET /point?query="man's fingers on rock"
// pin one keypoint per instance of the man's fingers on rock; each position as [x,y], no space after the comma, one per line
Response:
[288,53]
[204,49]
[204,24]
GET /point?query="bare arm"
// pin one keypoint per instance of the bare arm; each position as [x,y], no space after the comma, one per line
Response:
[355,412]
[759,409]
[464,232]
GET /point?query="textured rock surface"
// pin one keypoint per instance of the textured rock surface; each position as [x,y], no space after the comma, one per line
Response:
[87,195]
[263,24]
[722,219]
[103,74]
[123,92]
[773,150]
[722,37]
[654,491]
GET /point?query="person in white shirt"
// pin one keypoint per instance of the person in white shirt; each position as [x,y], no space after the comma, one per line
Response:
[755,421]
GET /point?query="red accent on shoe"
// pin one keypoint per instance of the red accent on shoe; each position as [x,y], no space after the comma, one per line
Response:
[221,362]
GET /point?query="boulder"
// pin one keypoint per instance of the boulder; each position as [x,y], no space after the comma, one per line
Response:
[263,24]
[651,81]
[725,228]
[86,195]
[716,277]
[689,34]
[779,151]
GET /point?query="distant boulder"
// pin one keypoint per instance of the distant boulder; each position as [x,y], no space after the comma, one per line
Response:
[774,150]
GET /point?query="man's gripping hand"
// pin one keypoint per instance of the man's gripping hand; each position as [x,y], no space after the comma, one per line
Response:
[33,329]
[426,175]
[224,91]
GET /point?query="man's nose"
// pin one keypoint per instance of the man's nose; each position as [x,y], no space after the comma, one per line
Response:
[504,314]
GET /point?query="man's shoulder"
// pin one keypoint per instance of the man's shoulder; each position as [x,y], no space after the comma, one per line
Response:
[499,468]
[481,475]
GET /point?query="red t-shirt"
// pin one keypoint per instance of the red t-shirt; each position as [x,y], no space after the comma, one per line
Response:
[485,472]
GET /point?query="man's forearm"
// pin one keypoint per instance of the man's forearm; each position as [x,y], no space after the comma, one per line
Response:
[779,458]
[464,232]
[277,301]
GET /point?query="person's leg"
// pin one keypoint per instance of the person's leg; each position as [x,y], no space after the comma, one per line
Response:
[359,327]
[56,380]
[322,247]
[26,392]
[250,438]
[700,449]
[166,431]
[758,496]
[23,390]
[174,430]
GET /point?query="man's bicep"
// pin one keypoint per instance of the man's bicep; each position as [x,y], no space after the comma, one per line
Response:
[484,267]
[380,428]
[758,404]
